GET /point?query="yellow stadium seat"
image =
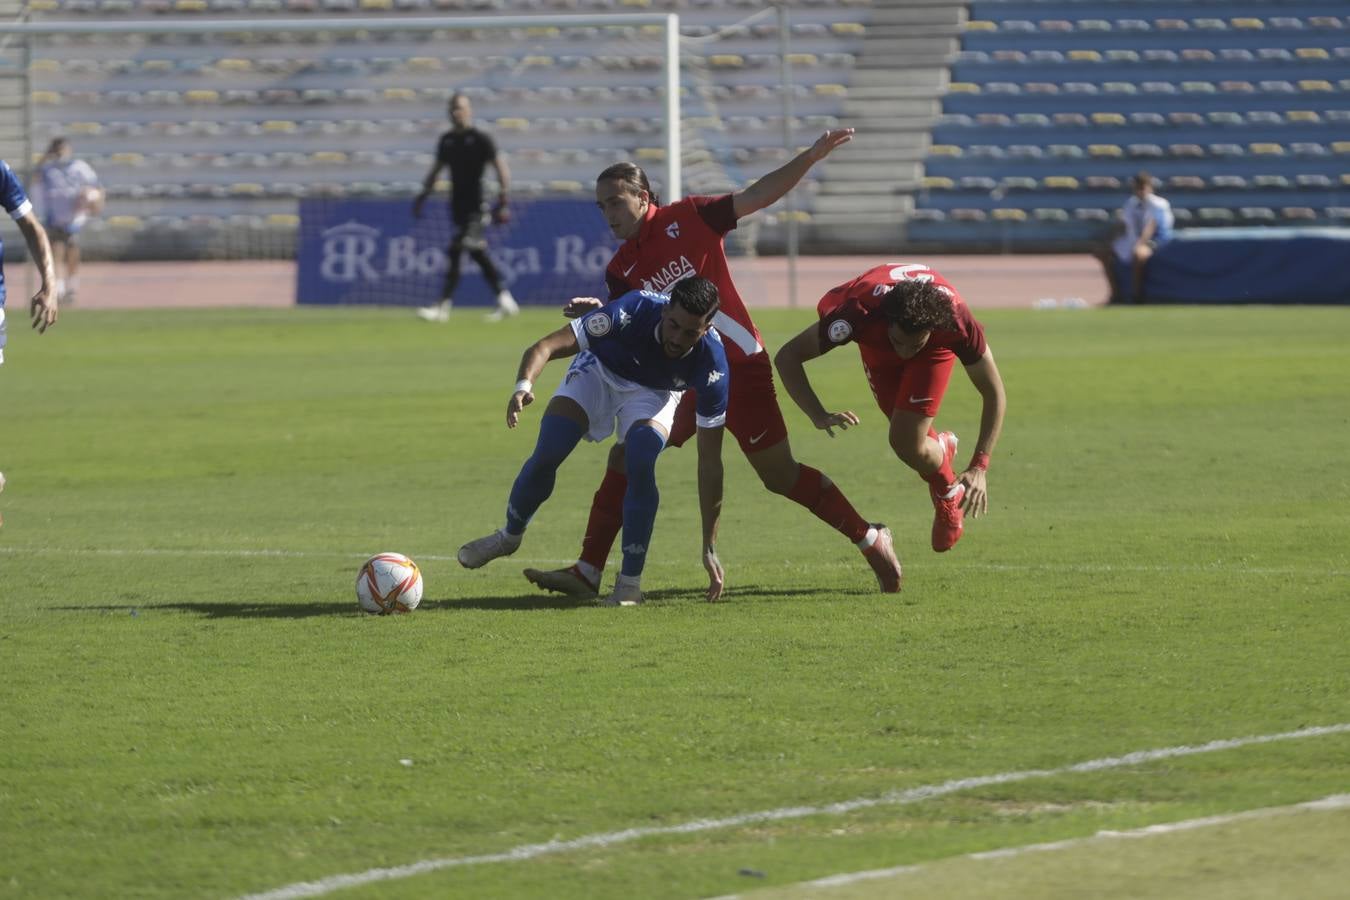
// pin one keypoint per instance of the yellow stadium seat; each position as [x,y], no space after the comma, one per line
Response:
[1315,84]
[279,126]
[1108,118]
[1249,23]
[46,98]
[1340,147]
[1061,182]
[830,90]
[807,60]
[247,189]
[127,159]
[283,220]
[937,183]
[565,186]
[399,94]
[1008,214]
[1085,56]
[1302,115]
[1312,53]
[1266,149]
[190,6]
[1105,150]
[234,64]
[511,123]
[945,150]
[848,29]
[201,95]
[379,5]
[44,5]
[981,25]
[963,87]
[333,157]
[537,61]
[651,154]
[44,66]
[726,61]
[124,222]
[85,128]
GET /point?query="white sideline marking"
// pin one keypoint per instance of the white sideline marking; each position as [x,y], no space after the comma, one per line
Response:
[1335,801]
[894,798]
[1078,568]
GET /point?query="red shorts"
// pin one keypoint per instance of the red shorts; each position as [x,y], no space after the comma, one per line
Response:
[753,415]
[916,385]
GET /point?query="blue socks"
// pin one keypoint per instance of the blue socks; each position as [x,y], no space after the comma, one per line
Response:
[557,438]
[641,447]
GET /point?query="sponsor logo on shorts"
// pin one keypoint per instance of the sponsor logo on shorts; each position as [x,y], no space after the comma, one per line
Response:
[759,437]
[840,330]
[913,399]
[599,324]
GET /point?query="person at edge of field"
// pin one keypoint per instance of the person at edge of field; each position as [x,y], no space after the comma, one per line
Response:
[70,192]
[1147,221]
[466,152]
[911,326]
[661,246]
[635,357]
[43,306]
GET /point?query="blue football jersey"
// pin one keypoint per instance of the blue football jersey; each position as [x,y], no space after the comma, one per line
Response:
[16,203]
[625,336]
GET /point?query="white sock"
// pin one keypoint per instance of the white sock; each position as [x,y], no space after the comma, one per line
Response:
[60,287]
[628,581]
[868,539]
[589,572]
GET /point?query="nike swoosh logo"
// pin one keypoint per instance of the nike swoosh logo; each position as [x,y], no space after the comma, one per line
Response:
[629,269]
[913,399]
[759,437]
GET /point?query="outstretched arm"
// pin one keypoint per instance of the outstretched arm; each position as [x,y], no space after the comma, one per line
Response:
[791,371]
[985,376]
[43,304]
[710,504]
[773,186]
[555,345]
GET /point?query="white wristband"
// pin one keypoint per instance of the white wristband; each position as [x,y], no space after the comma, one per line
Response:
[525,385]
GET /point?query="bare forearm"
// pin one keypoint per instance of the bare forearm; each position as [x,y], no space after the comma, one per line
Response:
[792,374]
[710,499]
[39,248]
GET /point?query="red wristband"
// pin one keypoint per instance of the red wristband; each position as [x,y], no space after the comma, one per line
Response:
[980,461]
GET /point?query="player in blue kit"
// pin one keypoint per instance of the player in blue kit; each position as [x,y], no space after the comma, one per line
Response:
[16,203]
[635,357]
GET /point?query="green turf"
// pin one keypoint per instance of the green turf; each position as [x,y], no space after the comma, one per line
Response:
[191,705]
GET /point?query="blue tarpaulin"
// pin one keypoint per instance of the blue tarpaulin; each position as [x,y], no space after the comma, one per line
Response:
[1249,265]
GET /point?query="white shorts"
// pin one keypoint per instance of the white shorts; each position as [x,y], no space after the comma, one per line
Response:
[610,400]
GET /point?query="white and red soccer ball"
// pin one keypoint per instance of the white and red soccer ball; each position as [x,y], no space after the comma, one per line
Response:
[389,583]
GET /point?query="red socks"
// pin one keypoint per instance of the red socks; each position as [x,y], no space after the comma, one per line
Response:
[827,503]
[606,519]
[944,477]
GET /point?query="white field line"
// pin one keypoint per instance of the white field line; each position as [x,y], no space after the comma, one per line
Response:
[1334,802]
[1218,568]
[893,798]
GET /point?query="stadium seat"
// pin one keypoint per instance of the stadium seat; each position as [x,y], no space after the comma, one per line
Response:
[1215,215]
[1314,181]
[1229,182]
[1092,214]
[1105,150]
[1265,148]
[1227,150]
[1145,151]
[977,183]
[968,215]
[1008,214]
[1050,214]
[1018,183]
[923,214]
[1298,213]
[1068,151]
[1102,183]
[1185,183]
[1225,117]
[1060,182]
[1257,214]
[1185,118]
[1264,117]
[1186,151]
[1303,117]
[1070,119]
[937,183]
[1159,55]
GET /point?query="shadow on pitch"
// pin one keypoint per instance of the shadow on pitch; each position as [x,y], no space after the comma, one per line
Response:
[227,610]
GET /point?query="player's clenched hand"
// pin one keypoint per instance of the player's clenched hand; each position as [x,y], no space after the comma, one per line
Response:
[716,577]
[976,501]
[829,141]
[519,400]
[841,420]
[579,306]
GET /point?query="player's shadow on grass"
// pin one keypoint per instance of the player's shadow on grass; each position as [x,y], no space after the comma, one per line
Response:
[558,601]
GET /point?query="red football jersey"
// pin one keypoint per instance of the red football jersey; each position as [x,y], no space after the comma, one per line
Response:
[678,241]
[852,312]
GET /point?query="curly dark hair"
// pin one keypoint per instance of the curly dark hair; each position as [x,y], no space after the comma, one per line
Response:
[696,295]
[918,306]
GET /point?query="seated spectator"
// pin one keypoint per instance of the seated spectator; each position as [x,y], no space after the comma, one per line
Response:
[1147,220]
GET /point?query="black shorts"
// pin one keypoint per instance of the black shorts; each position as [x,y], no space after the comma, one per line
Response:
[62,234]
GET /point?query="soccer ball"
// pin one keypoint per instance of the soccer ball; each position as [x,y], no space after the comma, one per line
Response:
[389,583]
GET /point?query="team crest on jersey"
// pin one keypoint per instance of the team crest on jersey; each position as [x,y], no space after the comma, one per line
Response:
[599,324]
[839,331]
[673,230]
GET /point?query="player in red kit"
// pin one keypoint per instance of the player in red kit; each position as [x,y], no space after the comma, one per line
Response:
[661,246]
[911,326]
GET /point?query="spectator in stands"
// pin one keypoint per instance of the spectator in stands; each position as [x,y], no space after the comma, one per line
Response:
[662,246]
[70,193]
[44,302]
[911,327]
[466,152]
[1147,220]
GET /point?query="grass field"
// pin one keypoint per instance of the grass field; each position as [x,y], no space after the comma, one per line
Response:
[193,707]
